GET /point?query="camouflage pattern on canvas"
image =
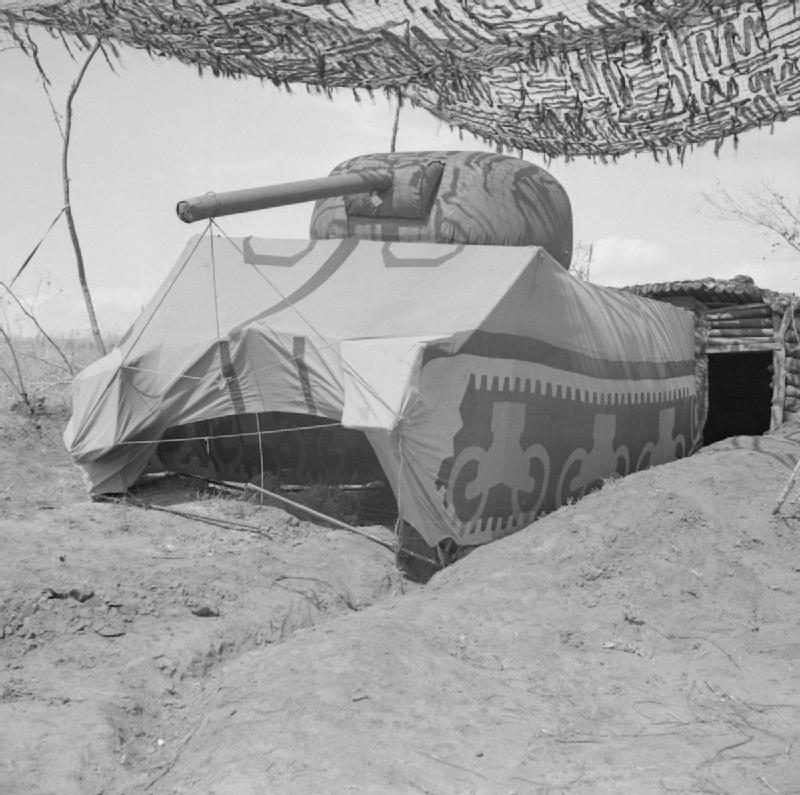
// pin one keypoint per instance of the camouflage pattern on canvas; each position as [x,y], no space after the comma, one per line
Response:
[480,198]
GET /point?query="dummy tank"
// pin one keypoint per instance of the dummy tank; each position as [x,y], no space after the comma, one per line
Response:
[427,333]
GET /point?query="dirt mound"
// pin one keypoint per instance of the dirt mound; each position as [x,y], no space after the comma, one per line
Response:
[644,639]
[113,619]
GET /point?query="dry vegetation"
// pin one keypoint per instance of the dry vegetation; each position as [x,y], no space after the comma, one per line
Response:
[42,373]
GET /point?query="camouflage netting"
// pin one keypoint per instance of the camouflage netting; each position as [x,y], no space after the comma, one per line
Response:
[562,77]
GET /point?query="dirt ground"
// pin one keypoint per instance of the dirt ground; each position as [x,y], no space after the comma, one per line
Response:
[645,639]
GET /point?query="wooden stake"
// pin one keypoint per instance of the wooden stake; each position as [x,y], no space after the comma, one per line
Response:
[787,488]
[779,389]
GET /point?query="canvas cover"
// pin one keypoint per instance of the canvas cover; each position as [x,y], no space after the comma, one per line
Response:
[491,384]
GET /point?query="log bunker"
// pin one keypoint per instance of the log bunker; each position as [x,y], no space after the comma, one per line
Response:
[747,349]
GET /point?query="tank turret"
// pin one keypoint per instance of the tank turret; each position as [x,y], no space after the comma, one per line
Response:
[477,198]
[473,198]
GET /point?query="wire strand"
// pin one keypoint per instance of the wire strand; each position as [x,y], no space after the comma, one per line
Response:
[36,247]
[212,436]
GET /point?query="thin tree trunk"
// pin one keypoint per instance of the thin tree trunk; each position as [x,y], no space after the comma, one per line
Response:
[87,296]
[396,122]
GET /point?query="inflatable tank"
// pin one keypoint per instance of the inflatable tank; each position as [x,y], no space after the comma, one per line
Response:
[426,333]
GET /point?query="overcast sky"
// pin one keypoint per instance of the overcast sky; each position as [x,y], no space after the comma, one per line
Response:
[156,132]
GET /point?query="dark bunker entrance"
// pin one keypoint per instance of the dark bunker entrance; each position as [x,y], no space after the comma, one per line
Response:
[739,395]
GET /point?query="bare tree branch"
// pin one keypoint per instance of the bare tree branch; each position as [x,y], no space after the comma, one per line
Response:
[87,296]
[764,207]
[581,264]
[9,379]
[34,358]
[45,80]
[32,317]
[65,129]
[108,60]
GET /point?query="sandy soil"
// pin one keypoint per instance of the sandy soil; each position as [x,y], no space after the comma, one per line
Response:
[645,639]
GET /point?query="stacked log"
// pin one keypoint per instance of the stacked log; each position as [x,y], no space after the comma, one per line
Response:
[740,327]
[747,331]
[791,366]
[791,402]
[740,312]
[743,323]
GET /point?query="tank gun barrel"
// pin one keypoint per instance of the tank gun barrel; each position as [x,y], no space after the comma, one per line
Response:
[213,205]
